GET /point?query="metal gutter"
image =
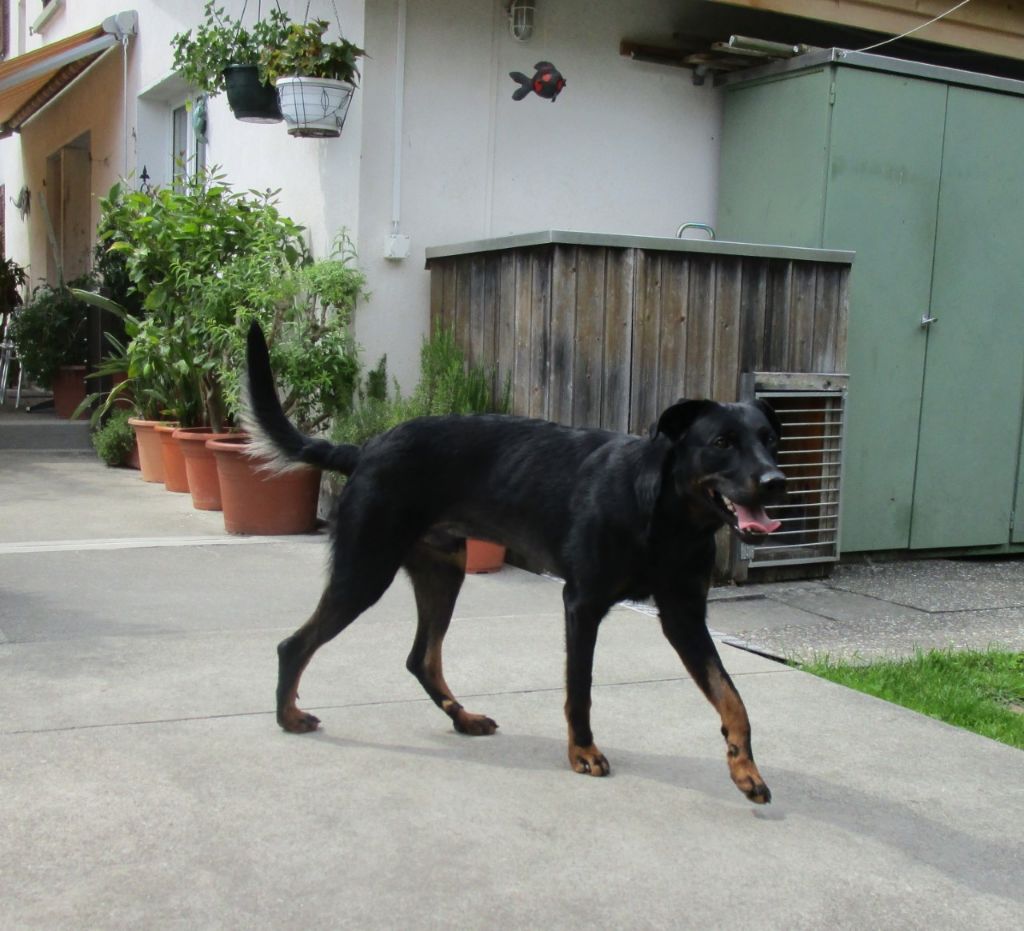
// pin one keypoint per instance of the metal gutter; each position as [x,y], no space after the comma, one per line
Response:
[913,69]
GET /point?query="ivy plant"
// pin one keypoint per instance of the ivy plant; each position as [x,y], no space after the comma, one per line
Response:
[201,56]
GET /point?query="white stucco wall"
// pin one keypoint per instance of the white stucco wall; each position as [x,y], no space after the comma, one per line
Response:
[627,147]
[318,180]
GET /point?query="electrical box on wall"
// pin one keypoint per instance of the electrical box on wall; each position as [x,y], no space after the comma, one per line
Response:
[397,247]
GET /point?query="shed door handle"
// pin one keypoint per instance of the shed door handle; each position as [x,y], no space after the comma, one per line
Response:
[927,320]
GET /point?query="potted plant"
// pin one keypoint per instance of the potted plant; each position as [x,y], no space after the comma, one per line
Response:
[114,441]
[315,79]
[223,55]
[306,313]
[12,279]
[51,333]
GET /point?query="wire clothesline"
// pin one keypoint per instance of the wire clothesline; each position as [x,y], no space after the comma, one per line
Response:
[903,35]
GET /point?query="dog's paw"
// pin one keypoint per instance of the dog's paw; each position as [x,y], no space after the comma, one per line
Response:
[475,725]
[298,722]
[757,792]
[589,761]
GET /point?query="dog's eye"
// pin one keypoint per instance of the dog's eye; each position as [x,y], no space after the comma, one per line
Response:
[722,442]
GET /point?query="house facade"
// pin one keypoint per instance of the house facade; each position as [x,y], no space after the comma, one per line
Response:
[434,150]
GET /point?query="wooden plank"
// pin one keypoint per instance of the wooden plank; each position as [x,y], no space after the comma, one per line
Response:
[619,286]
[803,297]
[753,301]
[675,308]
[437,270]
[725,365]
[700,334]
[521,377]
[540,332]
[505,327]
[563,334]
[843,315]
[646,324]
[450,277]
[475,311]
[462,305]
[826,319]
[588,373]
[489,312]
[776,322]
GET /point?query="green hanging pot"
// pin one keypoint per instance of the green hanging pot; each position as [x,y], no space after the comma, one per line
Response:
[251,101]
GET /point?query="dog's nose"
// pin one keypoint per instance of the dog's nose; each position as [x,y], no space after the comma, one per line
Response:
[772,484]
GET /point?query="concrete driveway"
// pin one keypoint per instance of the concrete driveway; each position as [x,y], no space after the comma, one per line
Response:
[145,783]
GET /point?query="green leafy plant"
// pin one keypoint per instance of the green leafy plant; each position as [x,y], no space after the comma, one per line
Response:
[306,314]
[51,331]
[448,385]
[303,52]
[195,258]
[12,279]
[201,56]
[115,439]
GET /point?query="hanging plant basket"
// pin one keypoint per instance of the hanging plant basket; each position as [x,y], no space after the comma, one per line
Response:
[249,99]
[314,107]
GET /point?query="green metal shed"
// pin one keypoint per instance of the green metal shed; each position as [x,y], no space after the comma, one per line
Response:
[918,169]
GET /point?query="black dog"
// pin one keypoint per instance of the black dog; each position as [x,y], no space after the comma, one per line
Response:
[616,516]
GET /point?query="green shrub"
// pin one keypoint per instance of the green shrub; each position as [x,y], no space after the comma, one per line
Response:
[114,441]
[51,330]
[448,385]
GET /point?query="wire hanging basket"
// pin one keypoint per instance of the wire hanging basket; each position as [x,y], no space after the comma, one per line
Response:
[314,107]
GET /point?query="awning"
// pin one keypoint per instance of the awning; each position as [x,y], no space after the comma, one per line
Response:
[28,82]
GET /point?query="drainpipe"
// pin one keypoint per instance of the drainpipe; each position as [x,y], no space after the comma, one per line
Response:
[397,246]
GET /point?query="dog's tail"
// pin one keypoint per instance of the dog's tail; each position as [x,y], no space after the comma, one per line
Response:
[274,437]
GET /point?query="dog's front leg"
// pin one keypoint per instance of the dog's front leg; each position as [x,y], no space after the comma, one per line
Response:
[581,623]
[685,627]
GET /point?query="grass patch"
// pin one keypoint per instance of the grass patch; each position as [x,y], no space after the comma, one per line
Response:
[982,692]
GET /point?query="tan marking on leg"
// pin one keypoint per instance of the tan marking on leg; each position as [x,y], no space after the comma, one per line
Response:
[465,722]
[736,730]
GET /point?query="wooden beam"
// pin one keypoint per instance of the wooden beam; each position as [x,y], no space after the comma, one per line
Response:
[995,27]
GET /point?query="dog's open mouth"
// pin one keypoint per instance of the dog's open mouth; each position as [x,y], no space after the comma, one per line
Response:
[747,522]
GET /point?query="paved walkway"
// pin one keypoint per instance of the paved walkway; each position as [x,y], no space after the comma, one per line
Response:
[145,784]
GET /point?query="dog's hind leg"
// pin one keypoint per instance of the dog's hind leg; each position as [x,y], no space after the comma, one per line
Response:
[581,622]
[687,631]
[354,587]
[437,573]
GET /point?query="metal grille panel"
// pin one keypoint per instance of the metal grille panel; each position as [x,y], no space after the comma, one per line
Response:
[810,455]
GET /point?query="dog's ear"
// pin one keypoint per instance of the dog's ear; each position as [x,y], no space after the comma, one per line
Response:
[678,418]
[769,412]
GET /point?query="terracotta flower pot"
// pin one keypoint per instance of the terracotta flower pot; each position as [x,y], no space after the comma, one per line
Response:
[483,556]
[200,465]
[151,458]
[256,501]
[175,478]
[131,461]
[68,390]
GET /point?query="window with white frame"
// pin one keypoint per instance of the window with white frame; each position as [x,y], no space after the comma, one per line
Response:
[188,141]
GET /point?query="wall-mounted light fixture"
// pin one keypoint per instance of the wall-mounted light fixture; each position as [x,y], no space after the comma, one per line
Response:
[520,19]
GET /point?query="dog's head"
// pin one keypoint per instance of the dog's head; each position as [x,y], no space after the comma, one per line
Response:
[725,462]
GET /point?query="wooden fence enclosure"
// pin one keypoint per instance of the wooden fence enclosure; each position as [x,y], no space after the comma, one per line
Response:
[595,330]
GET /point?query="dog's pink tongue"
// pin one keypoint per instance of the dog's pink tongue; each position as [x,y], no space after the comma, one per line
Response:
[756,521]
